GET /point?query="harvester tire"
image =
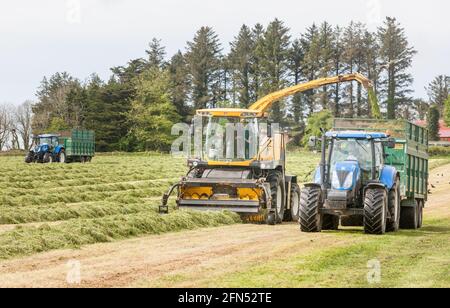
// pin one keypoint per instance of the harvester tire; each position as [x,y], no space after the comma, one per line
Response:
[295,202]
[393,224]
[330,222]
[278,198]
[409,217]
[375,211]
[310,215]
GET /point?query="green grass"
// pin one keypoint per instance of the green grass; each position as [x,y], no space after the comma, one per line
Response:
[408,259]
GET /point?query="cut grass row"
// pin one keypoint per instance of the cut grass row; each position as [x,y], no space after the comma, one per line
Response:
[78,232]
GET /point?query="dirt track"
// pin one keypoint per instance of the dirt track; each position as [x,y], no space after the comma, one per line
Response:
[158,260]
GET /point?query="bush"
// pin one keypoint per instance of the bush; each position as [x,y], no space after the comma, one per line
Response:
[439,151]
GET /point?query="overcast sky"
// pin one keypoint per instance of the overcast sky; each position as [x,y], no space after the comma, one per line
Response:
[41,37]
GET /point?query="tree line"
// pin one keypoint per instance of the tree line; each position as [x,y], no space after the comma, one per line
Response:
[136,108]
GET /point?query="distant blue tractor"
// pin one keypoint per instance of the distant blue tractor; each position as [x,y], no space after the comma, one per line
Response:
[353,184]
[46,149]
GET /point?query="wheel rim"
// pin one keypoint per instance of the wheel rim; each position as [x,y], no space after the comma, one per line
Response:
[62,158]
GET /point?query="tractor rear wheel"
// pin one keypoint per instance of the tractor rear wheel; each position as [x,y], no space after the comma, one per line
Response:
[330,222]
[278,196]
[375,211]
[62,157]
[393,223]
[310,215]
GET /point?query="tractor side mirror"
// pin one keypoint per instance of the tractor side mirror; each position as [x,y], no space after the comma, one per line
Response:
[312,143]
[391,143]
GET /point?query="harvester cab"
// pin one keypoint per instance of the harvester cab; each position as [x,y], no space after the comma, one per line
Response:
[241,166]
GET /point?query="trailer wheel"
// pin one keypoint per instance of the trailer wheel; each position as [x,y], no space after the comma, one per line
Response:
[330,222]
[409,217]
[295,202]
[393,223]
[310,216]
[278,196]
[375,211]
[420,214]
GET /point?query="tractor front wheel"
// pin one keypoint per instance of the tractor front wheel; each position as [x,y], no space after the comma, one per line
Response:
[48,158]
[62,157]
[278,196]
[375,211]
[30,158]
[310,215]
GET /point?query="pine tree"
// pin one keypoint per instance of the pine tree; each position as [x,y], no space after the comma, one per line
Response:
[396,55]
[447,111]
[338,68]
[311,45]
[203,63]
[274,63]
[325,61]
[179,80]
[156,54]
[439,90]
[433,123]
[296,58]
[257,56]
[241,55]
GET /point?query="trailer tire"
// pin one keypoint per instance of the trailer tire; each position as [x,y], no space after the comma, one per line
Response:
[409,217]
[295,202]
[310,215]
[393,224]
[420,215]
[375,211]
[278,198]
[330,222]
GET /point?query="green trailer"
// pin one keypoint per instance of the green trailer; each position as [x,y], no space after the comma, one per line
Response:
[78,145]
[409,157]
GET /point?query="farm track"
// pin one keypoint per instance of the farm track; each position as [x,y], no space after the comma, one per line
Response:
[190,259]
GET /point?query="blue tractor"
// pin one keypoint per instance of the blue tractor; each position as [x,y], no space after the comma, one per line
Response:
[46,149]
[353,184]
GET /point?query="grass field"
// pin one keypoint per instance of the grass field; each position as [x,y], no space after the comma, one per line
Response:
[45,207]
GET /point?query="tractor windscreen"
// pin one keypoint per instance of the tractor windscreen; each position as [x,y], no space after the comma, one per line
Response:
[352,150]
[231,139]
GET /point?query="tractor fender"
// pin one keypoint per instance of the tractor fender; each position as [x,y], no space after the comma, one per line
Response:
[58,149]
[315,185]
[388,176]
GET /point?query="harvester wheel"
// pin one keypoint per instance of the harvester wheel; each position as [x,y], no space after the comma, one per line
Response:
[295,202]
[278,196]
[409,217]
[310,215]
[375,211]
[393,223]
[330,222]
